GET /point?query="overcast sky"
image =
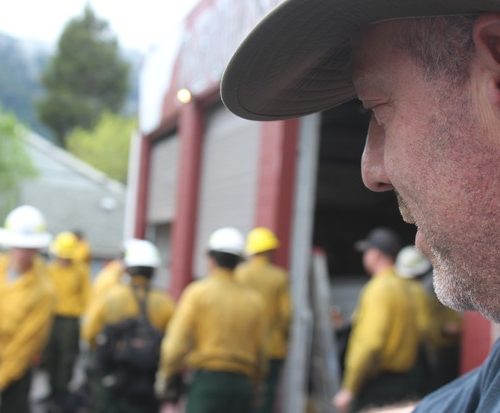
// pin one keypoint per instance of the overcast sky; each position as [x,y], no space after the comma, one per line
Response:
[138,24]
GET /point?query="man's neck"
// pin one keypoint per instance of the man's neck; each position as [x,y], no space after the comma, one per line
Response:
[383,267]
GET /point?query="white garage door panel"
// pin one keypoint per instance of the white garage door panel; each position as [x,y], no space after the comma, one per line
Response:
[229,178]
[163,180]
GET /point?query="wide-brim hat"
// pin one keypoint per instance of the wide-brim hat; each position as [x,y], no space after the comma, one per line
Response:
[297,60]
[11,239]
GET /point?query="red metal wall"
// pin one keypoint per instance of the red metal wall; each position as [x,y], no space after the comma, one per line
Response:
[275,193]
[183,237]
[143,186]
[476,341]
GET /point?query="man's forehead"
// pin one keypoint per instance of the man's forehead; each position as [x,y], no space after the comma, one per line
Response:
[374,55]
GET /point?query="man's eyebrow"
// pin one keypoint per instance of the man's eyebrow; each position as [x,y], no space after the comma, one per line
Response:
[370,80]
[363,77]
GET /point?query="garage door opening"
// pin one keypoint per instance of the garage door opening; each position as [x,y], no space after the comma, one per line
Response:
[345,209]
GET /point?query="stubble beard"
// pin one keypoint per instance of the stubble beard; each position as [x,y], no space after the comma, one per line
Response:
[443,268]
[449,276]
[449,281]
[463,288]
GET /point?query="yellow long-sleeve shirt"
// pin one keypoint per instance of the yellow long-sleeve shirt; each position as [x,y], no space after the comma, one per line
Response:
[219,325]
[446,325]
[83,253]
[421,299]
[26,306]
[72,287]
[108,277]
[385,335]
[105,280]
[120,303]
[271,282]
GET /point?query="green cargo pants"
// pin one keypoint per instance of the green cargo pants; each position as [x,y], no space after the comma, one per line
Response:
[217,392]
[387,389]
[61,352]
[15,398]
[115,403]
[270,386]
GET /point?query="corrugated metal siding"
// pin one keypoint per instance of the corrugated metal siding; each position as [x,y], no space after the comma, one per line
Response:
[163,180]
[228,178]
[160,235]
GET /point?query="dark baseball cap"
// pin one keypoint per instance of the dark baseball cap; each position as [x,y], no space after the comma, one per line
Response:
[383,239]
[297,60]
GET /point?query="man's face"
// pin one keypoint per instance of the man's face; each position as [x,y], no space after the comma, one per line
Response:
[22,258]
[439,149]
[370,257]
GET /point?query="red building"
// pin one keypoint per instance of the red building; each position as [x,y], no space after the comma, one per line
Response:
[200,168]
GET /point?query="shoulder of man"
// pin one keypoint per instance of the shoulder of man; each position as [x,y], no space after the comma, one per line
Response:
[118,292]
[476,391]
[161,296]
[195,289]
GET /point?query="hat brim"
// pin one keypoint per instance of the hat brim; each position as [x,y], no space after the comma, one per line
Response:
[13,240]
[297,59]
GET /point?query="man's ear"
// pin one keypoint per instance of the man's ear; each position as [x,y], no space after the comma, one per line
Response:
[486,37]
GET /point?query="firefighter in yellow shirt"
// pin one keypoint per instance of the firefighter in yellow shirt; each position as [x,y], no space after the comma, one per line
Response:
[440,326]
[109,276]
[218,332]
[271,282]
[411,265]
[26,304]
[71,281]
[83,253]
[383,346]
[128,387]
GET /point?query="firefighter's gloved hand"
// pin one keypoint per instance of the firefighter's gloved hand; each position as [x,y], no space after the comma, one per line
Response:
[169,390]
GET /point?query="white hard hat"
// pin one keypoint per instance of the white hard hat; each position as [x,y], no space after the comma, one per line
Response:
[141,253]
[25,227]
[411,263]
[228,240]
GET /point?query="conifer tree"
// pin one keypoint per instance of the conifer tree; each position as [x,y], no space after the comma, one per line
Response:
[85,77]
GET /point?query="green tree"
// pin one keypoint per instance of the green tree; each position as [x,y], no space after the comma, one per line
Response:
[106,147]
[86,76]
[15,163]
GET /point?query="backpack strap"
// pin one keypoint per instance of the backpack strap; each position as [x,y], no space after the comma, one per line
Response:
[142,303]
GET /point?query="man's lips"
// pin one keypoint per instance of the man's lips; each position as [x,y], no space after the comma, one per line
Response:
[404,210]
[419,240]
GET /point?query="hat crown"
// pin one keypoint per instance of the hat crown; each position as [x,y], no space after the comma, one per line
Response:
[141,253]
[64,245]
[26,220]
[411,262]
[261,239]
[228,240]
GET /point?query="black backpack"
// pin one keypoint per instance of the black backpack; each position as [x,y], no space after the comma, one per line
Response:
[128,354]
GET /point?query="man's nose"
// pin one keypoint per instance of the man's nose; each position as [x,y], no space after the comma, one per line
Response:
[373,160]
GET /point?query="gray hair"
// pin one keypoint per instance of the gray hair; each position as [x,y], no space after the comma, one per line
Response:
[442,46]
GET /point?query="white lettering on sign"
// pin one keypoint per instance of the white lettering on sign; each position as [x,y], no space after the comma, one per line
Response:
[213,38]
